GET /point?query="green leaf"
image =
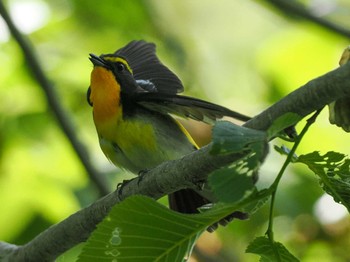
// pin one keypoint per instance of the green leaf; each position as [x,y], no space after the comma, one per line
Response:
[333,171]
[140,229]
[230,138]
[257,155]
[229,186]
[283,122]
[232,184]
[270,251]
[235,182]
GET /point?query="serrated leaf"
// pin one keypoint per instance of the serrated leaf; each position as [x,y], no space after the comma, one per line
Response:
[282,123]
[140,229]
[270,252]
[231,138]
[333,171]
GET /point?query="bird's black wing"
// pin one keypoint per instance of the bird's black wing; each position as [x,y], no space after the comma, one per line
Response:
[159,87]
[147,68]
[186,107]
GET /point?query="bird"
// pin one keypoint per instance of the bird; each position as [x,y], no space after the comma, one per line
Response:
[135,103]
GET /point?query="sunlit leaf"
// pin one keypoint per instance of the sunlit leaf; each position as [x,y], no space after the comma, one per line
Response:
[333,170]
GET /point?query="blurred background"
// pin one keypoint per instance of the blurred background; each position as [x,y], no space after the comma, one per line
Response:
[244,55]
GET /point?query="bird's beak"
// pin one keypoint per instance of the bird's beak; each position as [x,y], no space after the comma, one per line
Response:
[97,61]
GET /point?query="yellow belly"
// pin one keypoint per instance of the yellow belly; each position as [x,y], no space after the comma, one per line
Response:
[144,141]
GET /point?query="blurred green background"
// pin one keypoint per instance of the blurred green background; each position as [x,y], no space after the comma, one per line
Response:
[241,54]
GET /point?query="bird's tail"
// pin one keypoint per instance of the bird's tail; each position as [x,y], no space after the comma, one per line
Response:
[188,201]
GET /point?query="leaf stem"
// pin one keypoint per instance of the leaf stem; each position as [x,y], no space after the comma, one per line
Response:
[273,187]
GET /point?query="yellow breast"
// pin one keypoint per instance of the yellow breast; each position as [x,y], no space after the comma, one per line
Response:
[134,136]
[105,96]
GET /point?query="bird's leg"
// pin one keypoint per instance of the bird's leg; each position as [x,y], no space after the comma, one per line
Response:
[199,185]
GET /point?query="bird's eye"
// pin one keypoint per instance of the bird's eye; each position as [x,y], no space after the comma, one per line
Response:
[120,67]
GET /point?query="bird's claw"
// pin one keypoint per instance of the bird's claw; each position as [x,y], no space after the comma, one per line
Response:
[141,175]
[120,187]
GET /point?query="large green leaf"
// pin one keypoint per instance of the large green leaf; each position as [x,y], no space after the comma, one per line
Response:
[140,229]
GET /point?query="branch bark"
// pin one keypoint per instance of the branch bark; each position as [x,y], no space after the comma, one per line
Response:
[310,97]
[175,175]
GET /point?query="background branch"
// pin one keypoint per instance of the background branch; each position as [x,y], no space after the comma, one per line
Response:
[292,7]
[174,175]
[62,117]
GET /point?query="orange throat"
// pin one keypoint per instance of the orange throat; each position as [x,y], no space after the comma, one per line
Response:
[105,96]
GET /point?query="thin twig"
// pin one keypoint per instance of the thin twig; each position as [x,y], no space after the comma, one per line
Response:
[54,104]
[292,7]
[274,186]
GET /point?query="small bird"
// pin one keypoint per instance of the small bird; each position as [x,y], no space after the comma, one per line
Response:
[134,99]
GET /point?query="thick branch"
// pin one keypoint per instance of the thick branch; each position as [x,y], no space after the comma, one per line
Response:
[62,117]
[308,98]
[174,175]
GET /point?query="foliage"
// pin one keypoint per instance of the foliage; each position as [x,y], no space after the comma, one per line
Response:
[333,171]
[138,218]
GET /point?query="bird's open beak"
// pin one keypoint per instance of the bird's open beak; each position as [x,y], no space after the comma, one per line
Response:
[97,61]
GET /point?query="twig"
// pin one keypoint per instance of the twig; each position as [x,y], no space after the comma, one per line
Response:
[53,102]
[274,186]
[292,7]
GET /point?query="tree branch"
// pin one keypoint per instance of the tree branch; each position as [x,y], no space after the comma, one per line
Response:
[162,180]
[175,175]
[292,7]
[62,117]
[312,96]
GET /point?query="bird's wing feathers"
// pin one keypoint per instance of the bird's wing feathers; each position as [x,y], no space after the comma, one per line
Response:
[186,107]
[142,59]
[159,87]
